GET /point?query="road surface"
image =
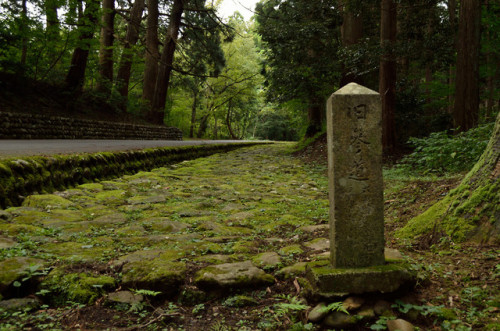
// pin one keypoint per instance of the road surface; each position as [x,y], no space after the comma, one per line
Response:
[16,148]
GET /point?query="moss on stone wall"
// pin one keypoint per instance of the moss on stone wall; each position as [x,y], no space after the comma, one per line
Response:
[21,177]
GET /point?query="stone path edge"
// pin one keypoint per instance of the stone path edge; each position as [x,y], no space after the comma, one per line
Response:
[20,177]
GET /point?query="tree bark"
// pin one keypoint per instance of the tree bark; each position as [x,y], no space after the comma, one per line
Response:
[452,11]
[152,53]
[165,68]
[106,49]
[123,76]
[466,110]
[193,113]
[76,73]
[351,31]
[387,78]
[228,122]
[24,38]
[315,117]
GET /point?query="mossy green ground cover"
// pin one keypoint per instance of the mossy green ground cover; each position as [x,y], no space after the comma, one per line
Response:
[160,232]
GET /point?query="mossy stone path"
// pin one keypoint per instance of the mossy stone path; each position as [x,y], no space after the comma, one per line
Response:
[256,209]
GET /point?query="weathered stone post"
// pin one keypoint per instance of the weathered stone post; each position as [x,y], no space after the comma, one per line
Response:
[354,122]
[357,261]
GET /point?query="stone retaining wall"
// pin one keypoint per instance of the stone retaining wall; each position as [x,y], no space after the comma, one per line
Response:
[20,177]
[33,126]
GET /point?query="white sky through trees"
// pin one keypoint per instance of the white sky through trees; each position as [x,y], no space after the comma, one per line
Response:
[245,7]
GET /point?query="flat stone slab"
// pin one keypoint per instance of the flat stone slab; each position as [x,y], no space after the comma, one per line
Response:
[6,242]
[18,304]
[14,268]
[232,275]
[328,282]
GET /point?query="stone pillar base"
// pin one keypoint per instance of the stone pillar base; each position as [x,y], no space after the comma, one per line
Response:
[327,282]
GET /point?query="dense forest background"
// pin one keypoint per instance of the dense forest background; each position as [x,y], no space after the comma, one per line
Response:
[176,62]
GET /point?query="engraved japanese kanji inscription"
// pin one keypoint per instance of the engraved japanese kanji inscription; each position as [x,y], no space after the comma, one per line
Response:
[355,177]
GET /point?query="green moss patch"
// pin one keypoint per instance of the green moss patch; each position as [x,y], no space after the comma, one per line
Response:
[84,288]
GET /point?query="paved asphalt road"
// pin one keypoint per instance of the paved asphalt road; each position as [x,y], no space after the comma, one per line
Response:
[12,148]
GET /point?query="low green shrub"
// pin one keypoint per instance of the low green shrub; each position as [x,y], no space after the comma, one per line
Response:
[443,152]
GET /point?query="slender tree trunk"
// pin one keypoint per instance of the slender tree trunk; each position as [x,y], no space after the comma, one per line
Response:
[216,134]
[203,125]
[352,32]
[166,61]
[228,121]
[466,111]
[387,81]
[76,73]
[125,67]
[24,38]
[193,113]
[152,53]
[106,50]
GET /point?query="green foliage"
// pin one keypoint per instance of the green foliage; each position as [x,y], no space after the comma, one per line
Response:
[335,306]
[444,153]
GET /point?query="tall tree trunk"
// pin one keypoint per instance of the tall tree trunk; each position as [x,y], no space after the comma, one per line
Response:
[123,76]
[52,30]
[24,38]
[466,111]
[166,61]
[314,117]
[106,50]
[387,78]
[193,113]
[203,125]
[452,11]
[152,53]
[228,121]
[352,32]
[76,73]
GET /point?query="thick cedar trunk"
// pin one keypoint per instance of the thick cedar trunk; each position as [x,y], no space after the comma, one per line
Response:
[193,113]
[152,54]
[166,61]
[123,76]
[24,41]
[52,22]
[314,116]
[452,11]
[352,32]
[466,110]
[106,50]
[387,78]
[76,73]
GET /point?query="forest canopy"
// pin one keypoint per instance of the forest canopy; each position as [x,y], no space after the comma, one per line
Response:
[177,62]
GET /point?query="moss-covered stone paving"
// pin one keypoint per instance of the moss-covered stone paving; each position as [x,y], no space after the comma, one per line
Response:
[163,230]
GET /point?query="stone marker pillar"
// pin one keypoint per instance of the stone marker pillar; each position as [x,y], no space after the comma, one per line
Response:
[354,119]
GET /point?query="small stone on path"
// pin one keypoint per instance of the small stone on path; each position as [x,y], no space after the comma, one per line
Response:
[353,303]
[232,275]
[317,313]
[18,304]
[267,260]
[399,325]
[314,228]
[6,242]
[319,244]
[125,297]
[338,319]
